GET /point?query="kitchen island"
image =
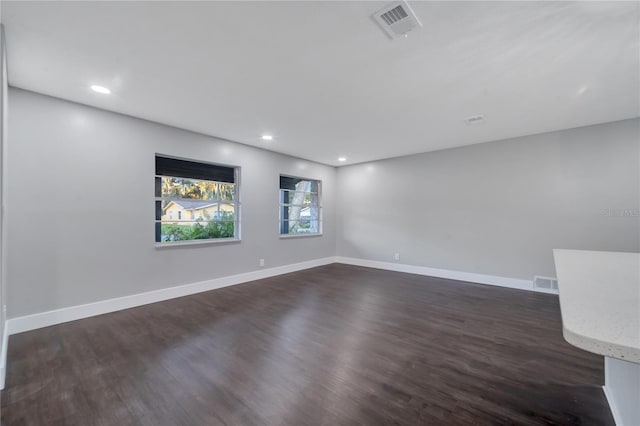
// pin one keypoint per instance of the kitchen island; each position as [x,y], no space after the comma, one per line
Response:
[600,306]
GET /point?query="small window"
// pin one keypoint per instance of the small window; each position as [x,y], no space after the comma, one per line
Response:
[209,190]
[300,210]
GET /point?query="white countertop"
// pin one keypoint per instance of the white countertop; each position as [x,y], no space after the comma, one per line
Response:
[600,301]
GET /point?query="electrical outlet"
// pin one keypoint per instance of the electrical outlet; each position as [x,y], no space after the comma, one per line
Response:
[397,256]
[262,263]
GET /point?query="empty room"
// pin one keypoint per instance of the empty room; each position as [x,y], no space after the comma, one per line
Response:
[289,213]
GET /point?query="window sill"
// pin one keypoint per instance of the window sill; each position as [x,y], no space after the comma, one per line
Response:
[286,237]
[197,243]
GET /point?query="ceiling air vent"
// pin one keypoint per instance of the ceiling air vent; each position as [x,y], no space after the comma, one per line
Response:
[396,19]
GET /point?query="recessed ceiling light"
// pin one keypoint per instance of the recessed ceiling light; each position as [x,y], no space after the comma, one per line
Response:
[342,159]
[267,137]
[100,89]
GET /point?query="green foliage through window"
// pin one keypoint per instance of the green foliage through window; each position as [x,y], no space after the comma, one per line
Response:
[192,207]
[198,230]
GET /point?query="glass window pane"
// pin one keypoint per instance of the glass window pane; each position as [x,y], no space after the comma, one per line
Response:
[196,210]
[177,187]
[202,206]
[300,210]
[312,213]
[224,212]
[297,197]
[300,213]
[188,230]
[307,186]
[158,210]
[227,191]
[301,226]
[285,196]
[303,186]
[158,187]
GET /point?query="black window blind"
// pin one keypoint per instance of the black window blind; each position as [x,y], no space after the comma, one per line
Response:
[193,170]
[287,182]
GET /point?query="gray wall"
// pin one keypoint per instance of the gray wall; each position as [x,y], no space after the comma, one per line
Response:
[497,208]
[80,197]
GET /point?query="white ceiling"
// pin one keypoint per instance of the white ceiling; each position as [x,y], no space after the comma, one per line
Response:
[324,79]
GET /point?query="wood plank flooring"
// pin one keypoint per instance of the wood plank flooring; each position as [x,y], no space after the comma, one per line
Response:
[334,345]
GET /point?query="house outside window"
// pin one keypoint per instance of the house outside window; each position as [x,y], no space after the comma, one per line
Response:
[205,193]
[300,208]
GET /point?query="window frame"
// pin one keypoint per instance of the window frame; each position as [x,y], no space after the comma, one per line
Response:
[281,205]
[236,204]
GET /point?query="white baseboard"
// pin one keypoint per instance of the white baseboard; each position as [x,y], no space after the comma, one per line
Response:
[612,406]
[3,354]
[58,316]
[444,273]
[46,319]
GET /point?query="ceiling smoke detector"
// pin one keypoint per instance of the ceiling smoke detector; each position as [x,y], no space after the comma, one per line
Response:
[474,119]
[396,19]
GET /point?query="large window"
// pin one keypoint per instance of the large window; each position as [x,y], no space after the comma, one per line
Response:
[300,210]
[195,201]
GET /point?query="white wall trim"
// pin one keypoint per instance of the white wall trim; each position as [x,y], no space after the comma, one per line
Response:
[612,406]
[72,313]
[3,355]
[445,273]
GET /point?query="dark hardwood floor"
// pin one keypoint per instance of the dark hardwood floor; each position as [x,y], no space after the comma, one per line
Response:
[334,345]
